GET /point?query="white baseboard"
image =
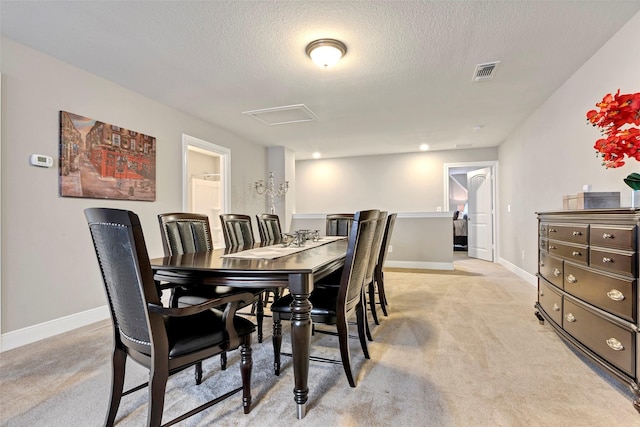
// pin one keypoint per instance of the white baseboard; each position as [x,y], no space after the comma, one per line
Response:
[419,265]
[48,329]
[527,277]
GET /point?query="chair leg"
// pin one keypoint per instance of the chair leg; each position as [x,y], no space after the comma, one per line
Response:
[362,325]
[343,338]
[118,364]
[246,366]
[277,343]
[198,373]
[366,319]
[366,326]
[382,296]
[260,316]
[223,360]
[173,298]
[372,301]
[157,387]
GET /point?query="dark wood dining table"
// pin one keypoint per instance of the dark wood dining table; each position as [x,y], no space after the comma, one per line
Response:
[297,272]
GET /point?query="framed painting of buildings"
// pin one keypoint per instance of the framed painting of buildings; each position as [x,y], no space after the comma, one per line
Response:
[104,161]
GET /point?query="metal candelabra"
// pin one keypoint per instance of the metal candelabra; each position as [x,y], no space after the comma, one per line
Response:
[271,190]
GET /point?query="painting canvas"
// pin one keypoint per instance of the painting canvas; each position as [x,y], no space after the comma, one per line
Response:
[103,161]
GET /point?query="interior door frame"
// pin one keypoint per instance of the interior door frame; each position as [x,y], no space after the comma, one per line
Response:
[493,165]
[225,168]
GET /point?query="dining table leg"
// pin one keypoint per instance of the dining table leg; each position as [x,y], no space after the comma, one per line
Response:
[300,287]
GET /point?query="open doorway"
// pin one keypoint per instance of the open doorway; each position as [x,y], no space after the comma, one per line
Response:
[470,196]
[206,182]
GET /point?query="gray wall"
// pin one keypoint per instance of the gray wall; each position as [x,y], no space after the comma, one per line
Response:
[551,154]
[396,183]
[49,268]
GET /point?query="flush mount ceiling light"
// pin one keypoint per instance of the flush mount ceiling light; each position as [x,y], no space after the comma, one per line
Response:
[326,53]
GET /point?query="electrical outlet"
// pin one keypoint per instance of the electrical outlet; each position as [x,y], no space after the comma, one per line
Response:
[390,248]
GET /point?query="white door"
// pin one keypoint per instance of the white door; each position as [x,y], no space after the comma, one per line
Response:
[480,212]
[206,199]
[206,182]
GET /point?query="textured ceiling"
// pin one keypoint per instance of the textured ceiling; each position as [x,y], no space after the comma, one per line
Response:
[406,78]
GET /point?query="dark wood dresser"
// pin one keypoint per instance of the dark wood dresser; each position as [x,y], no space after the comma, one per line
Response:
[588,285]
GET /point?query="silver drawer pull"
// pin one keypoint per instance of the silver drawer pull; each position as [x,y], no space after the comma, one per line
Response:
[607,259]
[553,230]
[615,295]
[552,247]
[607,236]
[615,344]
[576,253]
[557,272]
[571,278]
[570,317]
[577,233]
[555,307]
[541,263]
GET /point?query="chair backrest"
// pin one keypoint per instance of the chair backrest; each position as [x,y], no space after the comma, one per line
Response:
[356,260]
[126,273]
[339,224]
[375,246]
[269,228]
[237,230]
[386,238]
[185,233]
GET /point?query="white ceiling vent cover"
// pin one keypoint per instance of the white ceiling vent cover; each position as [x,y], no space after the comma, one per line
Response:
[485,71]
[283,115]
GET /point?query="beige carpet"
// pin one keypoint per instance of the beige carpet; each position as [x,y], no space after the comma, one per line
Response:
[459,348]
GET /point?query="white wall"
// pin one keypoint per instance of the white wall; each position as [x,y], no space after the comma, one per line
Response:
[49,269]
[395,183]
[552,153]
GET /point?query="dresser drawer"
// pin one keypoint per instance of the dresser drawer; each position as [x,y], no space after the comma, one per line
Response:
[621,237]
[544,229]
[612,342]
[551,269]
[543,244]
[612,294]
[575,253]
[550,300]
[572,233]
[615,261]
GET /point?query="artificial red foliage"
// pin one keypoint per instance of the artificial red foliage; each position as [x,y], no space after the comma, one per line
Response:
[616,118]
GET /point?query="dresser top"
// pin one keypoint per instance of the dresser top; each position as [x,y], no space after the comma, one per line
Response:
[593,215]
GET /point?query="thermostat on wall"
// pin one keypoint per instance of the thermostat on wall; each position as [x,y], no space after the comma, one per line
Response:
[41,160]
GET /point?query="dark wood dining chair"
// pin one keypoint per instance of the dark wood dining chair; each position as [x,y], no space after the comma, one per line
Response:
[165,340]
[335,306]
[183,233]
[338,224]
[237,230]
[379,273]
[269,228]
[369,281]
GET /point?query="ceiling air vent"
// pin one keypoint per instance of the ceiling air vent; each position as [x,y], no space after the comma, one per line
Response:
[485,71]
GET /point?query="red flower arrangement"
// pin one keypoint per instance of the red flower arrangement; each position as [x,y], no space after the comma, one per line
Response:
[615,112]
[616,117]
